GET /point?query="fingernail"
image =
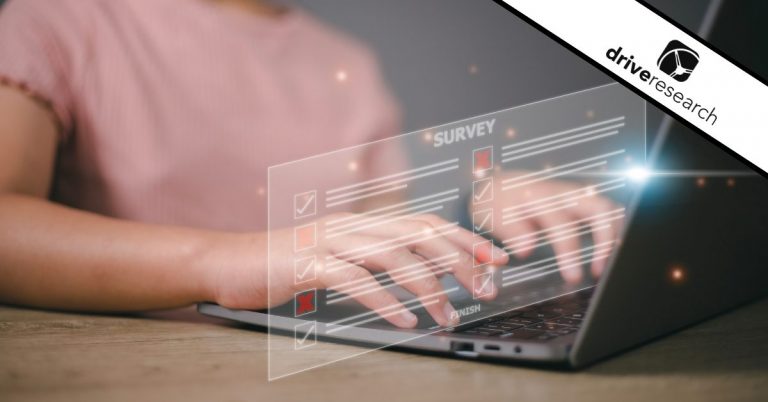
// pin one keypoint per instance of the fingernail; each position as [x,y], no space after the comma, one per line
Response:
[572,276]
[408,318]
[498,252]
[451,316]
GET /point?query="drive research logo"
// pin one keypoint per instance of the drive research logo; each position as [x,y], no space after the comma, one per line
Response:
[678,60]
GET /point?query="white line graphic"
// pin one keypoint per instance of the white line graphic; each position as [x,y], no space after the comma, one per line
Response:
[560,133]
[383,275]
[392,183]
[564,139]
[392,176]
[375,212]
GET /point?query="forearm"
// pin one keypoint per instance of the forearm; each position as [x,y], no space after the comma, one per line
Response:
[58,257]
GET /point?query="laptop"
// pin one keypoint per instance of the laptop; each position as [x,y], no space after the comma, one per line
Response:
[694,248]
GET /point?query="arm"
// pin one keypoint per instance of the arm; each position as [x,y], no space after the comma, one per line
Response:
[54,256]
[57,257]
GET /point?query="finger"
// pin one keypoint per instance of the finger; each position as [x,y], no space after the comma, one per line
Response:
[520,238]
[605,219]
[438,251]
[476,282]
[442,254]
[418,236]
[467,240]
[603,239]
[414,276]
[406,270]
[560,232]
[431,241]
[359,284]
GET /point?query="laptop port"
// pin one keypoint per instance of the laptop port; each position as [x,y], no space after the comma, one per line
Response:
[464,349]
[462,346]
[492,347]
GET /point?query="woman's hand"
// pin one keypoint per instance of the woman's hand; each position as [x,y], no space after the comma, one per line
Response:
[414,252]
[557,213]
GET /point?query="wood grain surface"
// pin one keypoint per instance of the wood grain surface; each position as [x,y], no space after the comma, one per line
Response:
[180,355]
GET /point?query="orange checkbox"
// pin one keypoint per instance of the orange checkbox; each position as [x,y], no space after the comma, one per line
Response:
[305,237]
[482,253]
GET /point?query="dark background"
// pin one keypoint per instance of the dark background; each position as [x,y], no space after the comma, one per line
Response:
[447,60]
[427,48]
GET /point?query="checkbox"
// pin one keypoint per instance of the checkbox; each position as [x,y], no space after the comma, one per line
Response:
[482,285]
[304,270]
[482,190]
[305,302]
[481,253]
[482,159]
[305,335]
[305,237]
[305,204]
[482,221]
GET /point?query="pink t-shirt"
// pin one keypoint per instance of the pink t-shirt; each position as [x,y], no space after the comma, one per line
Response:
[172,110]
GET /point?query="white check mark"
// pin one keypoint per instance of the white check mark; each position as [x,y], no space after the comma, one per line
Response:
[306,336]
[479,226]
[485,286]
[486,282]
[310,198]
[310,265]
[479,194]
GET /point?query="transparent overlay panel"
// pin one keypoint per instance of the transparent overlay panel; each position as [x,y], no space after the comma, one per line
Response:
[370,226]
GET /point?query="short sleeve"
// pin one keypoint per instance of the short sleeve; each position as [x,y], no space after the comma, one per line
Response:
[36,54]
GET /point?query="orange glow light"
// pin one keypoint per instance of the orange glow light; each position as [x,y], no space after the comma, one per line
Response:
[677,274]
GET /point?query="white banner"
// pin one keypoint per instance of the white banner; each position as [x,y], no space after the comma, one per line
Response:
[666,64]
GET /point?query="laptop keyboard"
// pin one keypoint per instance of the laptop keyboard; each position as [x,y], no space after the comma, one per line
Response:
[541,322]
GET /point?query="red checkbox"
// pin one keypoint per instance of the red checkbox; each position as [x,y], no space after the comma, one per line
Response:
[305,237]
[305,302]
[482,159]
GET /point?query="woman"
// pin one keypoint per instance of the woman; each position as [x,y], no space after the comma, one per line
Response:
[134,142]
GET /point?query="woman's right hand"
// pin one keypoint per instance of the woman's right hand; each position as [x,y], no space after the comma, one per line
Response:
[414,252]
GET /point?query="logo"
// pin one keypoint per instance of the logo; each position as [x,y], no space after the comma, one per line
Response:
[678,60]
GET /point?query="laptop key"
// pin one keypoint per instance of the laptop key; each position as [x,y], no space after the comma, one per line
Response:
[488,331]
[556,309]
[571,322]
[522,333]
[547,336]
[579,315]
[566,330]
[510,327]
[541,315]
[546,326]
[520,321]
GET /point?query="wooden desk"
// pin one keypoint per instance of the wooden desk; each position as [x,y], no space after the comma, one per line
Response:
[182,356]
